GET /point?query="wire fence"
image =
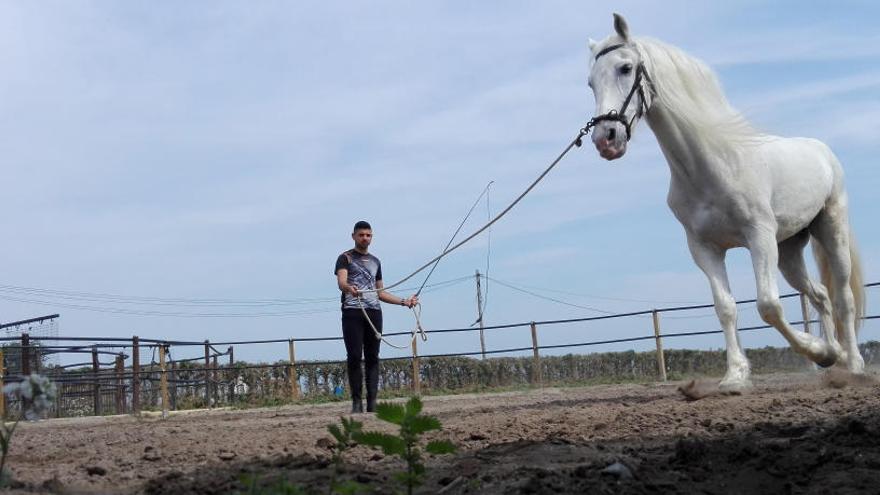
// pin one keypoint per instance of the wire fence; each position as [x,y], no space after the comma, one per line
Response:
[146,374]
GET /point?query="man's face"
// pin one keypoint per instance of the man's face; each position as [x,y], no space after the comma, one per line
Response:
[362,238]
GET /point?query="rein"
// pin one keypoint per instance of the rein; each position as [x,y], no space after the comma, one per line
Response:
[576,142]
[615,115]
[417,312]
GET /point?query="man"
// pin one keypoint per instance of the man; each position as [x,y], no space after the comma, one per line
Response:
[359,276]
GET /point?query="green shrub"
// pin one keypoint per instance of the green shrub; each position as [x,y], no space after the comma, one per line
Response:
[406,444]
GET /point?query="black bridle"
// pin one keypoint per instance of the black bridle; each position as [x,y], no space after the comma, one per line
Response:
[620,115]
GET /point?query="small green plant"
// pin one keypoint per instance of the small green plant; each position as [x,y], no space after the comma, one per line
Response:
[36,393]
[344,440]
[406,444]
[5,439]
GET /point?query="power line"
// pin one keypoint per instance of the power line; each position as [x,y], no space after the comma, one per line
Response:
[559,301]
[589,308]
[48,297]
[454,234]
[148,300]
[136,312]
[543,289]
[166,301]
[488,256]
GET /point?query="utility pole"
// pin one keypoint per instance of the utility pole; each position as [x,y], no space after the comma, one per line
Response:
[480,315]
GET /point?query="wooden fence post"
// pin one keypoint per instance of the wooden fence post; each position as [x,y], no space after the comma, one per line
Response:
[291,371]
[537,372]
[174,382]
[2,384]
[215,374]
[207,373]
[230,376]
[25,354]
[96,368]
[135,375]
[661,358]
[120,391]
[24,361]
[163,380]
[416,366]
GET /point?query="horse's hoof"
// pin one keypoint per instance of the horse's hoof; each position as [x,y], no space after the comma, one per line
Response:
[740,385]
[826,361]
[855,366]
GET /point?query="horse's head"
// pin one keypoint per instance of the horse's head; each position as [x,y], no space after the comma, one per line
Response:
[622,89]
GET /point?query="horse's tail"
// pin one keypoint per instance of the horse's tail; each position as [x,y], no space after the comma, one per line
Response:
[856,278]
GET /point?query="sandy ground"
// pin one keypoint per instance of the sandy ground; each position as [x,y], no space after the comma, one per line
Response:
[794,433]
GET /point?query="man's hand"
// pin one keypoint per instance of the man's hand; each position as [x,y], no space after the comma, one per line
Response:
[410,301]
[353,291]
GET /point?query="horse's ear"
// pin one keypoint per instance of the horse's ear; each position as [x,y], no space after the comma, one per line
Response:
[593,44]
[621,27]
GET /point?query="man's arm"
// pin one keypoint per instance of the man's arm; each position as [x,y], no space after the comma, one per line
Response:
[342,282]
[392,299]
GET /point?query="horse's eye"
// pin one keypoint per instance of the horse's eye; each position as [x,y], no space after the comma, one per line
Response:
[626,69]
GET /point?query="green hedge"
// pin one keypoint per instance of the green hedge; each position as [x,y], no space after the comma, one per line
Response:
[243,384]
[445,374]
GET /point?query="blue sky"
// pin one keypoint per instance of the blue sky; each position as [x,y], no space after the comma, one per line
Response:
[223,150]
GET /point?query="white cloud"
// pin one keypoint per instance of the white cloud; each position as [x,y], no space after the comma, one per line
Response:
[532,257]
[791,45]
[821,89]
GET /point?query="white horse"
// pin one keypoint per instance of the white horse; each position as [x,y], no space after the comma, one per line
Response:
[732,186]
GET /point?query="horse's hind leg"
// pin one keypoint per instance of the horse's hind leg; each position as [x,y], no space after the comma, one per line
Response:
[710,259]
[831,230]
[765,257]
[794,269]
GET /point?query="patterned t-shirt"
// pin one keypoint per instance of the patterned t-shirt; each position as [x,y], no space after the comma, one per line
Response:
[364,270]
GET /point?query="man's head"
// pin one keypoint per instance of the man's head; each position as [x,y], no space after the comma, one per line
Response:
[362,235]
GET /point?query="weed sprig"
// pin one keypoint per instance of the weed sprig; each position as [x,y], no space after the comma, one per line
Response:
[413,424]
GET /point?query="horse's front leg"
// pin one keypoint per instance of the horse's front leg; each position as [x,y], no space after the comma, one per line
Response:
[765,256]
[710,259]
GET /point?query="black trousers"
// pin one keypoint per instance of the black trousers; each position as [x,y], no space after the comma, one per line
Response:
[360,340]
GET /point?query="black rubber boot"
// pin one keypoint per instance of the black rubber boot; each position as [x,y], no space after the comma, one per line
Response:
[357,406]
[372,387]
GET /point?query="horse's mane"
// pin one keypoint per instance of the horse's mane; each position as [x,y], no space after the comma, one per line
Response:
[689,89]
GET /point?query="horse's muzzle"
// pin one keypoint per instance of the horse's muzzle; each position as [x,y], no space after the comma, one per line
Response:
[610,139]
[610,150]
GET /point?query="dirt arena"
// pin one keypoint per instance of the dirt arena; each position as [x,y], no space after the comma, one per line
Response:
[801,433]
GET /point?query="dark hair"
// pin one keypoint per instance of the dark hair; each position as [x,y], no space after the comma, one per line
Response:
[362,225]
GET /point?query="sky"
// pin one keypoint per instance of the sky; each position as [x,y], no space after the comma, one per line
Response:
[191,170]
